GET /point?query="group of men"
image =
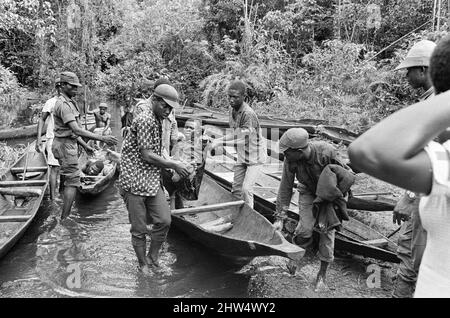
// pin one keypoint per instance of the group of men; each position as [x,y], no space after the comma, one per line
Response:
[150,133]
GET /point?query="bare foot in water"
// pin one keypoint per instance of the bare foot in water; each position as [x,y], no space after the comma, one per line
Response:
[320,284]
[145,270]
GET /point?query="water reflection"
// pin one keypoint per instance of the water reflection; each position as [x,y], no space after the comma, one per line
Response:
[96,240]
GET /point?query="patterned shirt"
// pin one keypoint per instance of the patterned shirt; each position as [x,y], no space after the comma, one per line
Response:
[65,111]
[253,151]
[169,126]
[138,176]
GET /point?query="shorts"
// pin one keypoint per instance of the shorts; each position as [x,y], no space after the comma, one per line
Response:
[66,151]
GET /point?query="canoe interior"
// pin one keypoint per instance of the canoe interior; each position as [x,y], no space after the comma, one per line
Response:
[251,234]
[352,236]
[11,232]
[94,186]
[246,225]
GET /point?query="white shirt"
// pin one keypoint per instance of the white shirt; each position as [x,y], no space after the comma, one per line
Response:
[434,273]
[48,108]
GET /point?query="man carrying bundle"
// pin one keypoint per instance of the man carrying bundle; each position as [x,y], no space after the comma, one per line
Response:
[68,133]
[140,177]
[316,166]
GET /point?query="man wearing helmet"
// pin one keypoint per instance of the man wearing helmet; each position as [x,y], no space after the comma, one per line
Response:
[140,178]
[308,162]
[68,133]
[412,238]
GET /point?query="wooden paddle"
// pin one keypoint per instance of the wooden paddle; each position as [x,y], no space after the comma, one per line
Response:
[14,218]
[208,208]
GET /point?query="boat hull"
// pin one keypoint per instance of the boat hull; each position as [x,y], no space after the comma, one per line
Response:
[272,128]
[101,184]
[351,238]
[13,231]
[252,235]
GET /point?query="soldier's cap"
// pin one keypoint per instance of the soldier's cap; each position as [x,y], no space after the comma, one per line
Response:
[294,138]
[418,55]
[168,93]
[70,78]
[103,105]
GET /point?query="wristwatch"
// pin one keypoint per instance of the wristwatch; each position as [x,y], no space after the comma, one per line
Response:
[411,194]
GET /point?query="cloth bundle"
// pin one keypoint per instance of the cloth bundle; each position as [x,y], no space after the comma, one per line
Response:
[330,205]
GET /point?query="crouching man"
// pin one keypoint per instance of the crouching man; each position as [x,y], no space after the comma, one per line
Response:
[323,184]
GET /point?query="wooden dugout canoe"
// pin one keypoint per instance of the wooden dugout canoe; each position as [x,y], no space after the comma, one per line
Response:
[31,130]
[355,237]
[94,185]
[273,127]
[250,234]
[20,199]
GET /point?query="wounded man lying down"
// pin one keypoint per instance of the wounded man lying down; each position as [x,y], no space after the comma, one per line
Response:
[97,167]
[93,168]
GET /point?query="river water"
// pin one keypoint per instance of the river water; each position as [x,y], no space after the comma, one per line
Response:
[95,242]
[90,255]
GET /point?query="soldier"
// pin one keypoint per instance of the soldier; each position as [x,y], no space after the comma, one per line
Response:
[412,237]
[306,160]
[67,132]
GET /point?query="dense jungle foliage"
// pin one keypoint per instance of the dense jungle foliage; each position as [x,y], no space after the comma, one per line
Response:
[300,58]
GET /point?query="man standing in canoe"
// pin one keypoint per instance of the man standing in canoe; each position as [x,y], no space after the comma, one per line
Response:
[68,133]
[246,137]
[102,120]
[307,160]
[47,116]
[412,237]
[140,177]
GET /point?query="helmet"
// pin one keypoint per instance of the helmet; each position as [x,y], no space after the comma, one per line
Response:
[294,138]
[168,93]
[418,55]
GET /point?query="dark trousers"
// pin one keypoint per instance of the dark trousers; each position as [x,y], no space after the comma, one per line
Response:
[142,209]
